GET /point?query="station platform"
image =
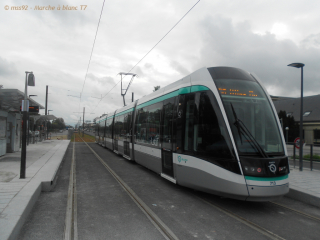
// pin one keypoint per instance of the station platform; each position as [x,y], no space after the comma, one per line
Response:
[18,196]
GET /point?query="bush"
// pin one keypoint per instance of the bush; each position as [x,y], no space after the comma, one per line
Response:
[315,157]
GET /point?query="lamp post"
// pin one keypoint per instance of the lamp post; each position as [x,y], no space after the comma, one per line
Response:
[47,124]
[30,81]
[300,65]
[287,129]
[29,121]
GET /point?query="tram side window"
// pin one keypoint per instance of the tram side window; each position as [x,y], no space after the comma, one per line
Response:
[121,127]
[108,128]
[117,127]
[126,126]
[167,122]
[141,125]
[211,139]
[103,127]
[189,126]
[148,125]
[129,116]
[153,129]
[97,130]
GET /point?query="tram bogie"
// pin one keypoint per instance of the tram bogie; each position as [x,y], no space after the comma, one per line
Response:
[216,130]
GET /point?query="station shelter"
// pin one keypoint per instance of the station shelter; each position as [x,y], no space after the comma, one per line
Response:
[11,119]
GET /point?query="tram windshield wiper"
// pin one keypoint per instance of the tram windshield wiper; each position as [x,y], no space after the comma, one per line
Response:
[242,129]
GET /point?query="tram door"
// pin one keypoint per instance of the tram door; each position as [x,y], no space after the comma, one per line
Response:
[167,133]
[128,135]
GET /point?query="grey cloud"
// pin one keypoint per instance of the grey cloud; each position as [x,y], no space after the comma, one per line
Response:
[312,41]
[7,68]
[225,44]
[103,81]
[68,19]
[179,68]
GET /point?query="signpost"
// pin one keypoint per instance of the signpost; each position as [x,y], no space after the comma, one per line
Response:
[297,143]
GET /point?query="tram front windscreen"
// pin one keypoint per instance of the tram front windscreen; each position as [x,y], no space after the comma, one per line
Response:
[251,118]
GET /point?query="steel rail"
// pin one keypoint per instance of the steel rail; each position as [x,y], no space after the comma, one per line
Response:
[296,211]
[71,229]
[250,224]
[157,222]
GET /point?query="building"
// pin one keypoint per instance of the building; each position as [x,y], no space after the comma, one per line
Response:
[311,115]
[10,119]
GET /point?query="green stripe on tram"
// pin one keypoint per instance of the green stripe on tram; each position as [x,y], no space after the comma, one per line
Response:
[198,88]
[266,178]
[180,91]
[124,112]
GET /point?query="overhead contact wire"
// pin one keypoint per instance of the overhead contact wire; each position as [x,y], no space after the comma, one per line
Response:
[85,78]
[92,50]
[149,51]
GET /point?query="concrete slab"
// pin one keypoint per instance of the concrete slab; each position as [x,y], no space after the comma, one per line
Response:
[18,196]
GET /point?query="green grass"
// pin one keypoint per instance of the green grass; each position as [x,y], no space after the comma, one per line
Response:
[315,157]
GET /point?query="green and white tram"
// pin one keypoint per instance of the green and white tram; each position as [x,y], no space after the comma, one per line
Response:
[216,130]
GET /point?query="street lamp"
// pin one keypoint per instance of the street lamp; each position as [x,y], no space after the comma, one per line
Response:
[47,125]
[287,129]
[300,65]
[29,121]
[30,81]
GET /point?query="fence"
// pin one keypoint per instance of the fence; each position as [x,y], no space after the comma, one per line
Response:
[311,149]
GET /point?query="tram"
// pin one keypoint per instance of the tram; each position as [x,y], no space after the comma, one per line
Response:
[215,130]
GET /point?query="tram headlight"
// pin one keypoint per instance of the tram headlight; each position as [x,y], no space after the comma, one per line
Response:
[253,170]
[265,167]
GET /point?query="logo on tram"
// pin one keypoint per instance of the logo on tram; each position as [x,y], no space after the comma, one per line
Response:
[272,167]
[181,159]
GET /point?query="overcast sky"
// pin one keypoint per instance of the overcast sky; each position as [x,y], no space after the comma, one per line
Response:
[256,35]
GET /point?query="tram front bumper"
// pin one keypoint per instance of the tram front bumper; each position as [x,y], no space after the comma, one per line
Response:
[267,193]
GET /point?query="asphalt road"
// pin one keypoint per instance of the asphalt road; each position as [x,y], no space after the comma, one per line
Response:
[105,211]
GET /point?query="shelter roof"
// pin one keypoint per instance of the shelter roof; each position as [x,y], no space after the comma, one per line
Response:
[11,99]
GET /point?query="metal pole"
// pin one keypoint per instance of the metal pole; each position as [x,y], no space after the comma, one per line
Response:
[301,125]
[83,122]
[46,134]
[24,133]
[46,110]
[294,155]
[311,157]
[133,97]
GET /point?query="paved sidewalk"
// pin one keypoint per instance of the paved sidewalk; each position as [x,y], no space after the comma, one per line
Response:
[305,186]
[17,196]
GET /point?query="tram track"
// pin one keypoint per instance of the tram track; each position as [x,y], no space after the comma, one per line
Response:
[253,225]
[71,229]
[296,211]
[155,220]
[248,223]
[162,227]
[167,233]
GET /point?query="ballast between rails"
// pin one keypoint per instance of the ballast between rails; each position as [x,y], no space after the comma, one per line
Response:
[215,130]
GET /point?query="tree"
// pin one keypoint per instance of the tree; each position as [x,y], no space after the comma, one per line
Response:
[58,124]
[156,88]
[288,121]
